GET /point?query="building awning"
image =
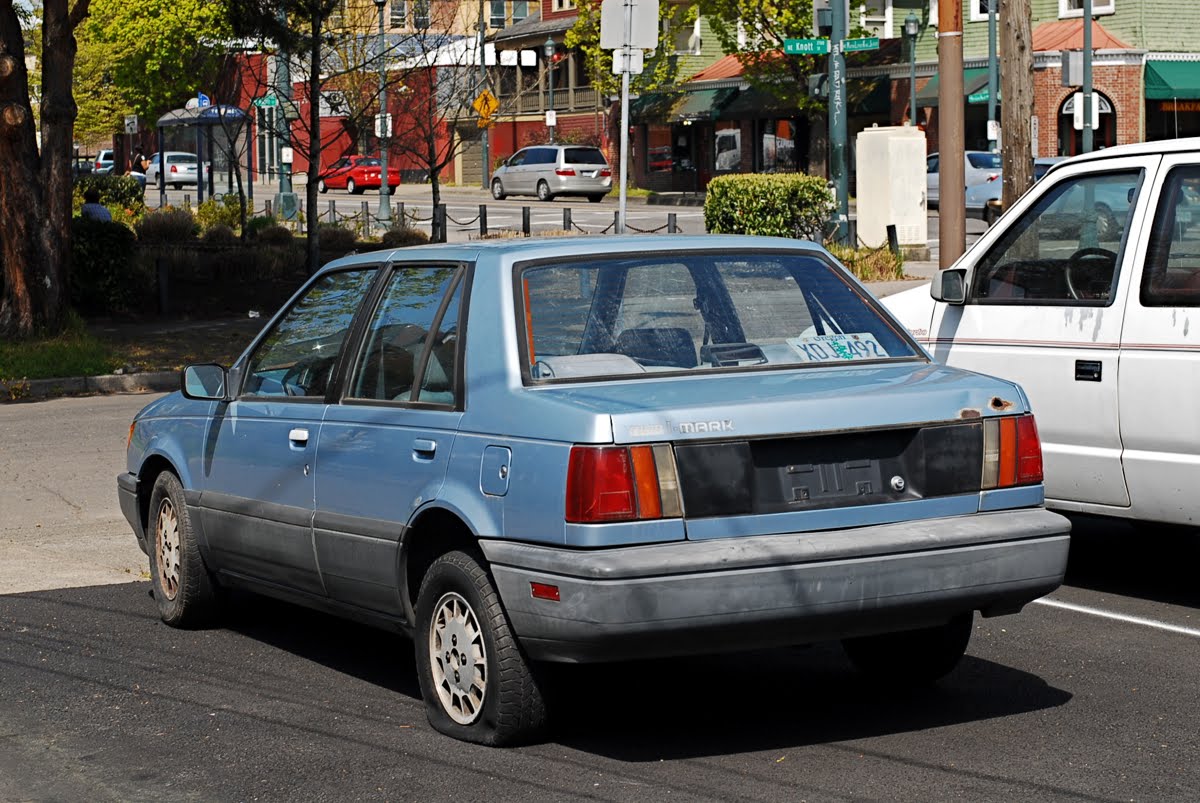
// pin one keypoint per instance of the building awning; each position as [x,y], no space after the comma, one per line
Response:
[973,79]
[1172,80]
[203,116]
[661,107]
[752,103]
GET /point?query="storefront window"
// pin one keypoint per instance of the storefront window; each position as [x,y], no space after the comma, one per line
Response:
[777,146]
[728,147]
[658,149]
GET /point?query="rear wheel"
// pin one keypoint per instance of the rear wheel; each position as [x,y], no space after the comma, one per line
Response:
[477,684]
[321,186]
[543,192]
[391,189]
[351,187]
[498,190]
[183,588]
[596,198]
[912,657]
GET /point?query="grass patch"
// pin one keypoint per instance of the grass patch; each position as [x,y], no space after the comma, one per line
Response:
[870,264]
[75,352]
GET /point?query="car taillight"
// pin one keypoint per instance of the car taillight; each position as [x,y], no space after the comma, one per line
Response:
[96,166]
[605,173]
[565,171]
[993,176]
[622,483]
[174,169]
[1012,452]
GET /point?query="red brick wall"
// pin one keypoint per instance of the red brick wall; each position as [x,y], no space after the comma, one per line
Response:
[1122,85]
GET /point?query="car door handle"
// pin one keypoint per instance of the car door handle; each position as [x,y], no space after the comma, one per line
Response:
[1087,370]
[424,448]
[298,436]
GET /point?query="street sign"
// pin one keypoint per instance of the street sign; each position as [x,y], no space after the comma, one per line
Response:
[631,60]
[551,118]
[805,47]
[486,103]
[643,26]
[857,45]
[1077,111]
[202,100]
[383,125]
[266,101]
[131,124]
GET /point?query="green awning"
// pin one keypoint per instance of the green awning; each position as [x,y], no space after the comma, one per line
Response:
[662,107]
[1172,80]
[752,103]
[928,94]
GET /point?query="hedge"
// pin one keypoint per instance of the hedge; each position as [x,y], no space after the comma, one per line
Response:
[121,194]
[104,277]
[774,205]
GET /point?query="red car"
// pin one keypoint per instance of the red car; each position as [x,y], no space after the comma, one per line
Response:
[357,173]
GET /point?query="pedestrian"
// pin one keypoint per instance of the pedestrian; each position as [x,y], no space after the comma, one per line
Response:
[92,208]
[137,166]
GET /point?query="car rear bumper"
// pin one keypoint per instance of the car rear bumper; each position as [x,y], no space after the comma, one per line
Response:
[740,593]
[127,495]
[575,185]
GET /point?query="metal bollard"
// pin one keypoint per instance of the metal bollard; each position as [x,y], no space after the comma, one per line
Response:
[483,220]
[672,226]
[439,222]
[893,239]
[567,218]
[365,217]
[525,220]
[617,222]
[187,201]
[268,208]
[399,215]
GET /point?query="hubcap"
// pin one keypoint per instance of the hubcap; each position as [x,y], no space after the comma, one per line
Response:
[458,659]
[166,544]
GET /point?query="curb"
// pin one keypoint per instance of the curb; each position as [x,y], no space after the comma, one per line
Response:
[37,389]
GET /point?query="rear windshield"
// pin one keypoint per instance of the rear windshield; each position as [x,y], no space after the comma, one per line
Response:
[182,158]
[584,156]
[609,317]
[984,161]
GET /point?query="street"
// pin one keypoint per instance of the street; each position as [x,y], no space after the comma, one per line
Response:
[1088,695]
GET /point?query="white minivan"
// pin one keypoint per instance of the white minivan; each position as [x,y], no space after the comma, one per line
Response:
[1087,293]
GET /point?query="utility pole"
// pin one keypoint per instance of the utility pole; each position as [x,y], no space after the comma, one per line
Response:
[1016,85]
[837,118]
[952,201]
[1088,134]
[993,79]
[385,130]
[285,198]
[483,139]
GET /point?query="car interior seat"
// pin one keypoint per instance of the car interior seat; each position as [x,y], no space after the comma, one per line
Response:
[667,346]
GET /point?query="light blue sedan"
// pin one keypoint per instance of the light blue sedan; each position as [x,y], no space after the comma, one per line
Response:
[596,449]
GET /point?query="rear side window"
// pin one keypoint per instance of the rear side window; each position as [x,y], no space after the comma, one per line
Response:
[543,156]
[611,317]
[984,161]
[181,158]
[1172,274]
[584,156]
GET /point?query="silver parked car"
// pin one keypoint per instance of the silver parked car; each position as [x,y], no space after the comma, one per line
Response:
[551,170]
[981,167]
[181,168]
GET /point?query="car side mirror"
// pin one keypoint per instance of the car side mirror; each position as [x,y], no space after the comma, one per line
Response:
[206,382]
[949,286]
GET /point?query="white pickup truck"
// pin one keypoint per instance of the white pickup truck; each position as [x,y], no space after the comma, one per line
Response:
[1087,293]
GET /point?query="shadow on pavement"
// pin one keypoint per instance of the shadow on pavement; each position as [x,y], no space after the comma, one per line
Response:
[1149,561]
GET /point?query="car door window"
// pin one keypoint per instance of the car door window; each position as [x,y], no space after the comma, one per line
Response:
[297,357]
[398,343]
[1172,274]
[931,164]
[1066,249]
[518,159]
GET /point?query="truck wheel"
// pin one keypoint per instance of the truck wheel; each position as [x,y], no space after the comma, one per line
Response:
[911,657]
[183,588]
[477,684]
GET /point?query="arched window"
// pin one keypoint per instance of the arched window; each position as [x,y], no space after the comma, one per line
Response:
[1070,139]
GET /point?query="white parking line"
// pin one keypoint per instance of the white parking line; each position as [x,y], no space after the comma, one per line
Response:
[1120,617]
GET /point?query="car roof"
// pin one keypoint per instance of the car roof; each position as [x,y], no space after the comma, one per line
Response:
[605,245]
[1183,145]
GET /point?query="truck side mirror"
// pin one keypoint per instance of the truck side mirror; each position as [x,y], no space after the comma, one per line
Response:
[949,286]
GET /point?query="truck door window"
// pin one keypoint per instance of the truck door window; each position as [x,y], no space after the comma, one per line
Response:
[1172,274]
[1066,249]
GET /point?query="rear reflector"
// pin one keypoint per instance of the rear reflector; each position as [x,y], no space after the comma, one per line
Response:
[1012,452]
[544,591]
[619,483]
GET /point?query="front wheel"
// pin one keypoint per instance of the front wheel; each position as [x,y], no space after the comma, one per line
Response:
[498,190]
[543,192]
[183,589]
[321,187]
[350,186]
[912,657]
[477,684]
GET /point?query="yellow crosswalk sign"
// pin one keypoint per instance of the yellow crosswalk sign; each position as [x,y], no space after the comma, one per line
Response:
[486,104]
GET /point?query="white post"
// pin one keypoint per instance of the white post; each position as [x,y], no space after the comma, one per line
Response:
[628,26]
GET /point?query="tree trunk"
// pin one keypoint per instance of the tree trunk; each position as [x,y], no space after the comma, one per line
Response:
[314,144]
[1016,88]
[35,189]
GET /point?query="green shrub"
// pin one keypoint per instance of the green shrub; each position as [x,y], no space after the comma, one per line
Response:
[333,237]
[776,205]
[167,225]
[275,235]
[255,225]
[225,211]
[104,280]
[402,236]
[219,234]
[122,195]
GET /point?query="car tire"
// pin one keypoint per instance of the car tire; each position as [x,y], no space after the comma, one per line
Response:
[321,187]
[177,186]
[183,588]
[391,189]
[1107,227]
[596,198]
[498,190]
[911,657]
[351,187]
[543,192]
[458,607]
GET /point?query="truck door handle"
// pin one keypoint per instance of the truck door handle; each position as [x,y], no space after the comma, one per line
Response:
[1087,370]
[423,448]
[298,436]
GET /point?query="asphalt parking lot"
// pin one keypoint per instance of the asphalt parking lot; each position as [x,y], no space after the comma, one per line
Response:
[1089,695]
